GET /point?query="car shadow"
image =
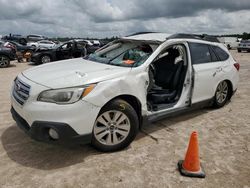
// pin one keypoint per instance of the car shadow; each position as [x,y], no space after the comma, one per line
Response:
[32,63]
[10,66]
[27,152]
[169,122]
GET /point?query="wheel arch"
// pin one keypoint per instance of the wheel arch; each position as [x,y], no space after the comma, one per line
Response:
[6,55]
[46,54]
[133,101]
[230,85]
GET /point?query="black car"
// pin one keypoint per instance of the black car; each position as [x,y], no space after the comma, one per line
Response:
[92,48]
[67,50]
[6,55]
[22,48]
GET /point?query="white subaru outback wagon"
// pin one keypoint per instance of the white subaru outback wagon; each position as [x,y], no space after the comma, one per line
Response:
[105,97]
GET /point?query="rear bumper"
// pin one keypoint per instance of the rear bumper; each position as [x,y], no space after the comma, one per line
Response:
[39,130]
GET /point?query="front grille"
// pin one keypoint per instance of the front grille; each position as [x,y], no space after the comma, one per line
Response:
[21,91]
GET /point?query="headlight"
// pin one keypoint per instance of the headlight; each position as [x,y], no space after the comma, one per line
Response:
[65,96]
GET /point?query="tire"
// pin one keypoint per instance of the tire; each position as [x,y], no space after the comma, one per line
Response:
[239,50]
[4,61]
[228,47]
[222,94]
[115,127]
[45,59]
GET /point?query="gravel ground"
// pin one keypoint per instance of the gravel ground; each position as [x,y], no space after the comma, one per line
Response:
[150,161]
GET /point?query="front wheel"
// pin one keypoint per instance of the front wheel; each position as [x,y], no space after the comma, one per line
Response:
[115,127]
[221,94]
[4,61]
[45,59]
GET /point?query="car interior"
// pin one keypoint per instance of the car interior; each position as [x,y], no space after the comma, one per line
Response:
[166,78]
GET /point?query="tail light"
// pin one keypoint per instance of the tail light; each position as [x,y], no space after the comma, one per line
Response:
[237,66]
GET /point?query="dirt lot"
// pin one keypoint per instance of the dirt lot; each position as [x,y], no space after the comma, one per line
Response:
[150,161]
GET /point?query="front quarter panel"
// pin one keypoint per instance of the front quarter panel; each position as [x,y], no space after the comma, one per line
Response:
[134,83]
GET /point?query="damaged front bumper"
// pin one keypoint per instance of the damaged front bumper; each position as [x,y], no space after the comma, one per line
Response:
[39,130]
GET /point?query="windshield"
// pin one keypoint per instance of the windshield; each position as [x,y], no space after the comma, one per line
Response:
[123,53]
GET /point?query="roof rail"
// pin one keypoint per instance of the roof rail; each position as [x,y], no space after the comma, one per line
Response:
[194,36]
[140,33]
[210,38]
[184,35]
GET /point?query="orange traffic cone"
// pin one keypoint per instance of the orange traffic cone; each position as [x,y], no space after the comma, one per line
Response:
[191,165]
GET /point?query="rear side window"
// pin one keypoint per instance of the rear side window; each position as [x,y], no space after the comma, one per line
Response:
[220,53]
[200,53]
[214,57]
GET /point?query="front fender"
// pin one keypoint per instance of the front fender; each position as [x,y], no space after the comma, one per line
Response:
[134,85]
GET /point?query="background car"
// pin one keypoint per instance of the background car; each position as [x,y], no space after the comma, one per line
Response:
[90,45]
[244,46]
[36,38]
[6,55]
[2,42]
[19,47]
[43,44]
[16,37]
[67,50]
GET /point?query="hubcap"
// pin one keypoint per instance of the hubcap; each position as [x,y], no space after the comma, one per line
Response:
[111,127]
[3,61]
[45,59]
[221,93]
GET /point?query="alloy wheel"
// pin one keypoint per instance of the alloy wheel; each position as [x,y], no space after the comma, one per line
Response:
[222,92]
[4,61]
[111,127]
[45,59]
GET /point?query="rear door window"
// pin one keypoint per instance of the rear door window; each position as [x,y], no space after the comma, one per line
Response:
[200,53]
[220,53]
[214,57]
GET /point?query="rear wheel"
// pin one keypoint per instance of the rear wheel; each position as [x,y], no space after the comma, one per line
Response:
[4,61]
[116,126]
[239,50]
[221,94]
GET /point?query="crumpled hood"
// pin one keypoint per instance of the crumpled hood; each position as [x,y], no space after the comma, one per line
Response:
[73,72]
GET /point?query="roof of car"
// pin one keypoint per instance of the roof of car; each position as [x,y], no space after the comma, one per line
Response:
[162,37]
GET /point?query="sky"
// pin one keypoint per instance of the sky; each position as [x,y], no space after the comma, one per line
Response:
[106,18]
